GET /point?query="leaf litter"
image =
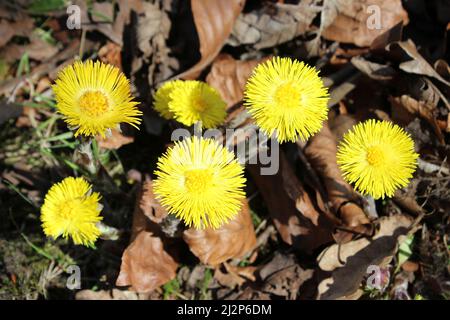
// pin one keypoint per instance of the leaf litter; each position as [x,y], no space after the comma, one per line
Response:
[303,233]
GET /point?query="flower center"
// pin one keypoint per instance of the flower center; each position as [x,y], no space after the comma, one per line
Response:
[67,209]
[93,103]
[287,96]
[199,104]
[197,180]
[375,156]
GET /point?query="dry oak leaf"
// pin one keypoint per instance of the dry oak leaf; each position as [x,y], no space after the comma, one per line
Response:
[321,152]
[360,21]
[229,77]
[273,24]
[281,277]
[214,20]
[232,240]
[405,108]
[146,263]
[114,141]
[417,64]
[344,266]
[294,214]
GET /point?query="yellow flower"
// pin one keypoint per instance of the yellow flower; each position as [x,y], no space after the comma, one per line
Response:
[286,97]
[162,98]
[197,101]
[71,209]
[94,97]
[201,182]
[378,157]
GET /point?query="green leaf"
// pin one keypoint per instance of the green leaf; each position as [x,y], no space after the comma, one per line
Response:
[405,251]
[46,6]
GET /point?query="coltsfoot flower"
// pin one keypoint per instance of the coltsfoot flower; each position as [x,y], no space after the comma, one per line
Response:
[162,98]
[287,97]
[94,97]
[201,182]
[194,101]
[378,157]
[71,209]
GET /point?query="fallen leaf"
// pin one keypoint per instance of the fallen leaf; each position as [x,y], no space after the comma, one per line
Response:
[281,278]
[229,77]
[356,21]
[114,141]
[234,275]
[37,49]
[21,26]
[110,53]
[214,20]
[416,64]
[374,70]
[296,218]
[232,240]
[344,266]
[273,24]
[114,294]
[405,108]
[321,151]
[146,263]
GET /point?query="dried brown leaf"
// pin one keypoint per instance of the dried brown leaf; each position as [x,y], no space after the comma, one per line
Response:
[146,263]
[348,20]
[282,278]
[344,266]
[114,141]
[114,294]
[417,64]
[405,108]
[111,53]
[273,24]
[22,26]
[232,240]
[296,218]
[214,20]
[229,77]
[321,152]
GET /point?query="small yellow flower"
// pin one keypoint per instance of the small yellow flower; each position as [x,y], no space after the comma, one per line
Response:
[162,98]
[287,97]
[201,182]
[71,209]
[378,157]
[197,101]
[94,97]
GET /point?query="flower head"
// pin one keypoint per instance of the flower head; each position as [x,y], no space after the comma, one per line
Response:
[286,97]
[197,101]
[162,98]
[71,209]
[200,182]
[94,97]
[378,157]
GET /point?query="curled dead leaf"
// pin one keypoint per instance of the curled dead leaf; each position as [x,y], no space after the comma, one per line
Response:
[295,216]
[214,20]
[146,263]
[360,21]
[416,64]
[321,152]
[232,240]
[114,141]
[344,266]
[229,77]
[405,108]
[273,24]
